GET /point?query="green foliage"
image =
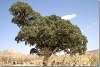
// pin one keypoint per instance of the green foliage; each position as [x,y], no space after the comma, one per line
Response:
[22,13]
[50,32]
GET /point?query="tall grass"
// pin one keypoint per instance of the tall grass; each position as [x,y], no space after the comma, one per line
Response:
[78,60]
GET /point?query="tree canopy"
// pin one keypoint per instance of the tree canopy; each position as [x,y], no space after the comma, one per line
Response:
[51,34]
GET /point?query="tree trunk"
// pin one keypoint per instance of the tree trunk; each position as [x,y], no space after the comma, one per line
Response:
[46,53]
[45,60]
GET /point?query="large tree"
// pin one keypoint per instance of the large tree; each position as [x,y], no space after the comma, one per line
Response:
[49,34]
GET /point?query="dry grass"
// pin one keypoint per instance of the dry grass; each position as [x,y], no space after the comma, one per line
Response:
[82,60]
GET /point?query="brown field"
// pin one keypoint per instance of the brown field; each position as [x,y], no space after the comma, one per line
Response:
[91,59]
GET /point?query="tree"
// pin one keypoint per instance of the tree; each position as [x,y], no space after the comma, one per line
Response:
[50,34]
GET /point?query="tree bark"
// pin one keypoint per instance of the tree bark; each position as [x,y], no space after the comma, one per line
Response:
[46,53]
[45,60]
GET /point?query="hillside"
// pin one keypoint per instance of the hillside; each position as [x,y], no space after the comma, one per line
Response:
[10,52]
[96,51]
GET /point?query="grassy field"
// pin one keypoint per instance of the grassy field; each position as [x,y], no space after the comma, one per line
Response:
[34,60]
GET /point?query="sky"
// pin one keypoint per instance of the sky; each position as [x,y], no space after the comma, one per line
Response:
[83,13]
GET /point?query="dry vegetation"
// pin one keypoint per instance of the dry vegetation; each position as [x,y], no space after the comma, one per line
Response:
[34,60]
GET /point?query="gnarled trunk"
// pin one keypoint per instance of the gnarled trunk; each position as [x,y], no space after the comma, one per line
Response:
[45,60]
[46,53]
